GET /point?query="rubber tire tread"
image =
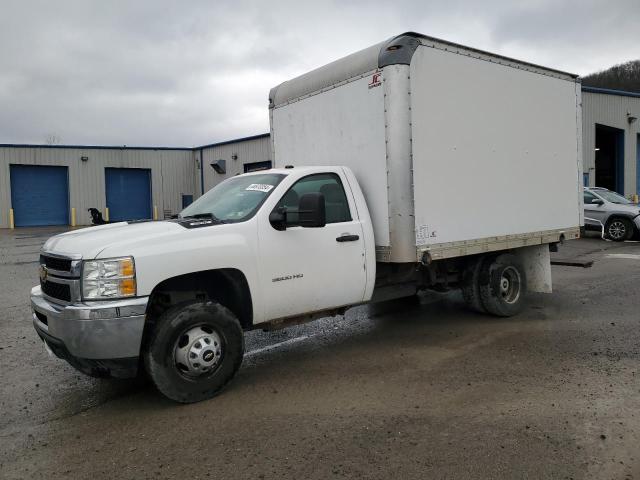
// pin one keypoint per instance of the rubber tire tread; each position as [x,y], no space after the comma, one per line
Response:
[490,275]
[159,356]
[471,285]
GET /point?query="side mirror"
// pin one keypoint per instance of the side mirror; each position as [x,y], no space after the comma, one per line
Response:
[311,211]
[278,219]
[597,201]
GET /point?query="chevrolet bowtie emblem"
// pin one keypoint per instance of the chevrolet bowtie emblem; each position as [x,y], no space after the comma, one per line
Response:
[43,273]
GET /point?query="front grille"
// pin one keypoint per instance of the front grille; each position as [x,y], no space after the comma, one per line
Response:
[60,291]
[55,263]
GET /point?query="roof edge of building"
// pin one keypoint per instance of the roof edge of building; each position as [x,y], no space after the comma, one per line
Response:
[610,91]
[91,147]
[235,140]
[126,147]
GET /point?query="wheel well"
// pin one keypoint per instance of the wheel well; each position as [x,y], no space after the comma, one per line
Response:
[225,286]
[634,229]
[617,216]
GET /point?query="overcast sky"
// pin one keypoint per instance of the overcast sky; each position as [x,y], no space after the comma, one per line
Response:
[187,73]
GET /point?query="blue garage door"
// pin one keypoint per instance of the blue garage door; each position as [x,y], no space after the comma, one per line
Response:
[39,195]
[128,193]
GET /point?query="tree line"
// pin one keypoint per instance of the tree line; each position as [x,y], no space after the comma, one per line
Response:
[625,76]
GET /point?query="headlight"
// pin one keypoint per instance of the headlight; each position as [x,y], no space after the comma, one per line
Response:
[111,278]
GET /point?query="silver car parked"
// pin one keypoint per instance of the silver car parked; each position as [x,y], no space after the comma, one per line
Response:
[619,216]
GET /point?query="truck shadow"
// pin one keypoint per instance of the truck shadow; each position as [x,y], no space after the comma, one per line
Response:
[394,327]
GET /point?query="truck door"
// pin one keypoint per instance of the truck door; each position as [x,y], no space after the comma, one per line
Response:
[304,270]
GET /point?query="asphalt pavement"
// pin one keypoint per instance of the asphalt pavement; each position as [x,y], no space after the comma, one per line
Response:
[404,389]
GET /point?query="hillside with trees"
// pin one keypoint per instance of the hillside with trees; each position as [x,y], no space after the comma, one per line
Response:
[625,76]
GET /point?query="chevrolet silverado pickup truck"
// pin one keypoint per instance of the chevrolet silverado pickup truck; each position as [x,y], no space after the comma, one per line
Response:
[413,164]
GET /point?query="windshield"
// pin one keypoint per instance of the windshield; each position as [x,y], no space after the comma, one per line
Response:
[234,200]
[612,197]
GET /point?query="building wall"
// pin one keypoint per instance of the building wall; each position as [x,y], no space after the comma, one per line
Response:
[175,172]
[250,150]
[172,174]
[611,110]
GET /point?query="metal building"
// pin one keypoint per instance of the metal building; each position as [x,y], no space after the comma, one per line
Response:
[49,185]
[226,159]
[611,139]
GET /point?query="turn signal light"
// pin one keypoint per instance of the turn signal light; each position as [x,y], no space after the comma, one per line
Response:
[128,287]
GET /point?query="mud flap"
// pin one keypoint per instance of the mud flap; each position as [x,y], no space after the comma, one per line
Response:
[536,261]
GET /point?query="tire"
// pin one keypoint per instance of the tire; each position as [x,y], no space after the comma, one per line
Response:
[619,229]
[471,285]
[207,330]
[503,285]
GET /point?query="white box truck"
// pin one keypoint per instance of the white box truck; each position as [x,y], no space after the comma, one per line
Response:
[413,164]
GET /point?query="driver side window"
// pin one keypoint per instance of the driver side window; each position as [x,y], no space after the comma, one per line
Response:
[588,197]
[329,185]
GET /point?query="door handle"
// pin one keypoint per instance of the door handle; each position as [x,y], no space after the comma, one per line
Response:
[347,238]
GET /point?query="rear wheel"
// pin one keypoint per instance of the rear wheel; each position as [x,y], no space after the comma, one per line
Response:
[471,285]
[194,350]
[503,285]
[619,229]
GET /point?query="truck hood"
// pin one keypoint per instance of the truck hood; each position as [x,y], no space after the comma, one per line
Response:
[89,242]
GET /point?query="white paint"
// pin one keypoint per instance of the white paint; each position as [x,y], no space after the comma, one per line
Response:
[461,147]
[623,256]
[304,270]
[495,149]
[342,126]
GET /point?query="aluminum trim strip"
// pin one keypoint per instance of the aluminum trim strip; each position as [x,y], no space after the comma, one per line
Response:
[492,244]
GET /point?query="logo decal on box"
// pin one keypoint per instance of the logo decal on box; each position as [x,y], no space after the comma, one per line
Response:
[376,80]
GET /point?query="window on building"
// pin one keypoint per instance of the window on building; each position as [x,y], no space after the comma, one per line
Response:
[255,166]
[186,200]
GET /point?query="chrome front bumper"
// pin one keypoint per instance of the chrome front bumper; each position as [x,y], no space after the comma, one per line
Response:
[93,330]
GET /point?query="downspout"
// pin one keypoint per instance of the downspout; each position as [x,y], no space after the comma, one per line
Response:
[201,173]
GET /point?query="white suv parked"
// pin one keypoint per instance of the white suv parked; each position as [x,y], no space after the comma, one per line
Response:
[620,217]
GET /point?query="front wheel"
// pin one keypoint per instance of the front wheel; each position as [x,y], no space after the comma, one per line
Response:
[619,229]
[503,284]
[194,351]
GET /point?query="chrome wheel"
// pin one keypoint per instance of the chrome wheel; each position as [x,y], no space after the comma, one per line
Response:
[617,230]
[510,285]
[198,351]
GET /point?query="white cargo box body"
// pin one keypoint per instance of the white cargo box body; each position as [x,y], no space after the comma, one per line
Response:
[457,151]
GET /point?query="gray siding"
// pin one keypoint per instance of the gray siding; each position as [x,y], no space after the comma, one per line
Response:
[247,151]
[611,110]
[172,174]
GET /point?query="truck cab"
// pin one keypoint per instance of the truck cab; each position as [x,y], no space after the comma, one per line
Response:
[264,248]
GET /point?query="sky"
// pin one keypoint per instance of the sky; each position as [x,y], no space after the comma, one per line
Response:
[193,72]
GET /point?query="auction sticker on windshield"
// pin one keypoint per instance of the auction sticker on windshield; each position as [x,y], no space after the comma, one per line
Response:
[260,187]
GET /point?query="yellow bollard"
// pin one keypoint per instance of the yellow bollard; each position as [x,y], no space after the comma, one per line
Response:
[155,212]
[106,214]
[12,223]
[73,216]
[634,198]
